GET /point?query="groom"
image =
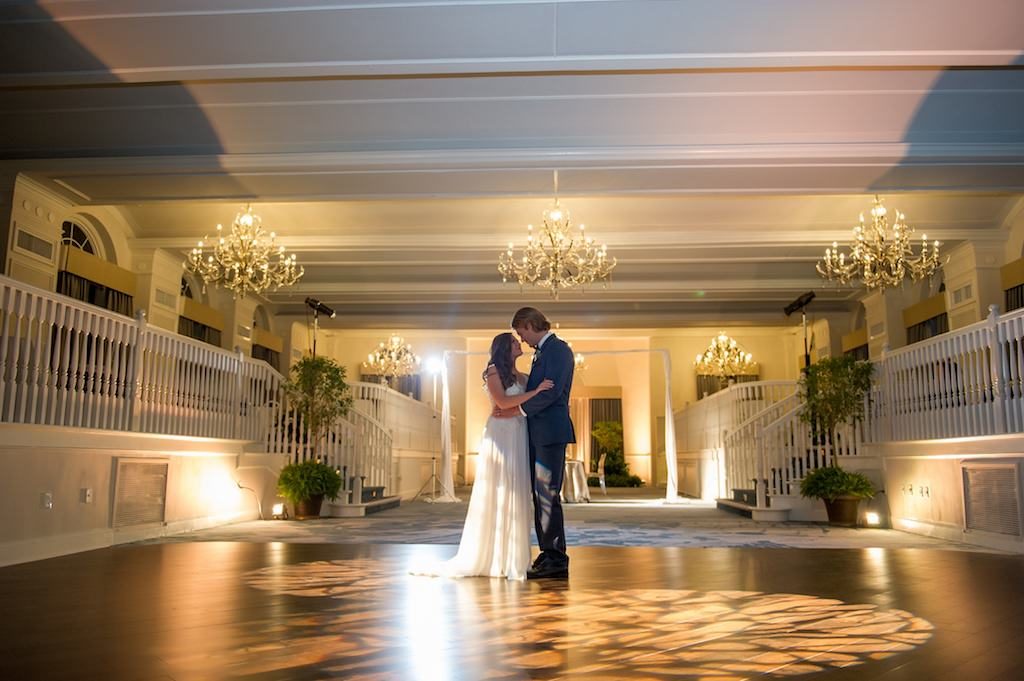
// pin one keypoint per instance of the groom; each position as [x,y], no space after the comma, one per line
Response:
[550,429]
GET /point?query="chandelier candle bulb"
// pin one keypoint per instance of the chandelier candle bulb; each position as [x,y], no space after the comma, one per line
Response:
[724,359]
[556,260]
[878,259]
[240,262]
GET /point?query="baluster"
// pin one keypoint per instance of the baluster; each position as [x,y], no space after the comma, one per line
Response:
[33,339]
[978,383]
[76,374]
[156,362]
[223,425]
[932,384]
[203,392]
[1014,334]
[238,397]
[108,383]
[91,384]
[119,405]
[58,360]
[996,375]
[963,424]
[17,373]
[7,301]
[95,404]
[98,379]
[162,383]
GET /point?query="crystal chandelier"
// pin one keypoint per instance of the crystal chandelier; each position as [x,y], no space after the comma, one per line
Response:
[880,259]
[723,358]
[559,257]
[241,261]
[393,357]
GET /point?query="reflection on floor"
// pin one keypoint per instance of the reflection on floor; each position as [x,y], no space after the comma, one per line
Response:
[239,610]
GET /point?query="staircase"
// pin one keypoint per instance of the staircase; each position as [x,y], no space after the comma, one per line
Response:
[768,455]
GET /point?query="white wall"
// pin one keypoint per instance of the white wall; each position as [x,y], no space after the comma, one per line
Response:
[201,487]
[924,488]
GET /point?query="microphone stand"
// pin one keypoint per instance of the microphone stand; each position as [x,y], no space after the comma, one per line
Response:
[316,326]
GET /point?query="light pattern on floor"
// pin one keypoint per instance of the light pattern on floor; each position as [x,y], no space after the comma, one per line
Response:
[494,629]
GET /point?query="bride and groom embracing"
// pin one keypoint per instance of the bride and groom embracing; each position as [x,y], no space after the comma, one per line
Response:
[521,461]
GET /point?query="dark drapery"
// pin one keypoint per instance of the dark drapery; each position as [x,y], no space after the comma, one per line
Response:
[80,288]
[859,353]
[709,385]
[193,329]
[1015,298]
[602,409]
[929,328]
[271,357]
[407,385]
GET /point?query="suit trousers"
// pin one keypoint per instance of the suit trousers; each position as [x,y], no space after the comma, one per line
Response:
[547,468]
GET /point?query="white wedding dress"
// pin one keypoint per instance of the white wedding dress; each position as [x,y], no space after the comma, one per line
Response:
[496,537]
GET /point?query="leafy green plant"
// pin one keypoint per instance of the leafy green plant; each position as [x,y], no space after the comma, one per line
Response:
[832,391]
[832,482]
[301,481]
[616,480]
[318,392]
[608,435]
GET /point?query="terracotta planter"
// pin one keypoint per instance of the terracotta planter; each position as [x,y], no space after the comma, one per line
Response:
[309,508]
[843,511]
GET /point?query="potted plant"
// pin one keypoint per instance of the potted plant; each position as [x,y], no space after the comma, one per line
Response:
[320,396]
[841,490]
[832,392]
[306,484]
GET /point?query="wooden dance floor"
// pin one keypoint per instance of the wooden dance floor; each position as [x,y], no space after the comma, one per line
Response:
[233,610]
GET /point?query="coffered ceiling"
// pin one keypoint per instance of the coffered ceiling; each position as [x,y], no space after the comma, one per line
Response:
[716,147]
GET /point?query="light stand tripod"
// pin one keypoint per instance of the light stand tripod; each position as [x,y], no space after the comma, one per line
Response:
[433,481]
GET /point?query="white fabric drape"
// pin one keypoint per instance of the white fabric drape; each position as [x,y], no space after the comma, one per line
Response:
[448,481]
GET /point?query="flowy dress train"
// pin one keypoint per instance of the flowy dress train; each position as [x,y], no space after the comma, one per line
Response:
[496,537]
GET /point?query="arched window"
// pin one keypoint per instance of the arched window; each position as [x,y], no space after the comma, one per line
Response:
[75,236]
[73,277]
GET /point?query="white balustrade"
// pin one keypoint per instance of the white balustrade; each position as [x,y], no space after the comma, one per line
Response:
[68,363]
[741,451]
[963,383]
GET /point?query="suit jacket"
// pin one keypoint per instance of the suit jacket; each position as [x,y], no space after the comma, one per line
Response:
[547,414]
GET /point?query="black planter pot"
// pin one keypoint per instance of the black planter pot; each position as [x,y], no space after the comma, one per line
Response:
[309,508]
[843,511]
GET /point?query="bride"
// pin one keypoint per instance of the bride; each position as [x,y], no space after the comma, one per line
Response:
[496,537]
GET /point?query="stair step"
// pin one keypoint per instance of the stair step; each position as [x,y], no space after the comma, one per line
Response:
[745,496]
[360,510]
[733,506]
[372,494]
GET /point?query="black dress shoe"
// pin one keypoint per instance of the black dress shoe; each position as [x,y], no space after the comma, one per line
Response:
[548,571]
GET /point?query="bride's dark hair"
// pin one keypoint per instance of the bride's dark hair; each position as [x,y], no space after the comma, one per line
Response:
[501,359]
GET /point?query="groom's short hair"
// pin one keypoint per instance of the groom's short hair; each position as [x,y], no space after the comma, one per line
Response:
[530,316]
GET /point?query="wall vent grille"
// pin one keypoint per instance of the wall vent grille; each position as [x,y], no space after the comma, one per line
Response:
[168,300]
[32,244]
[140,495]
[991,498]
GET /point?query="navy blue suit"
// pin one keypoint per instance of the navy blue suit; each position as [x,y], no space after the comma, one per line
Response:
[547,419]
